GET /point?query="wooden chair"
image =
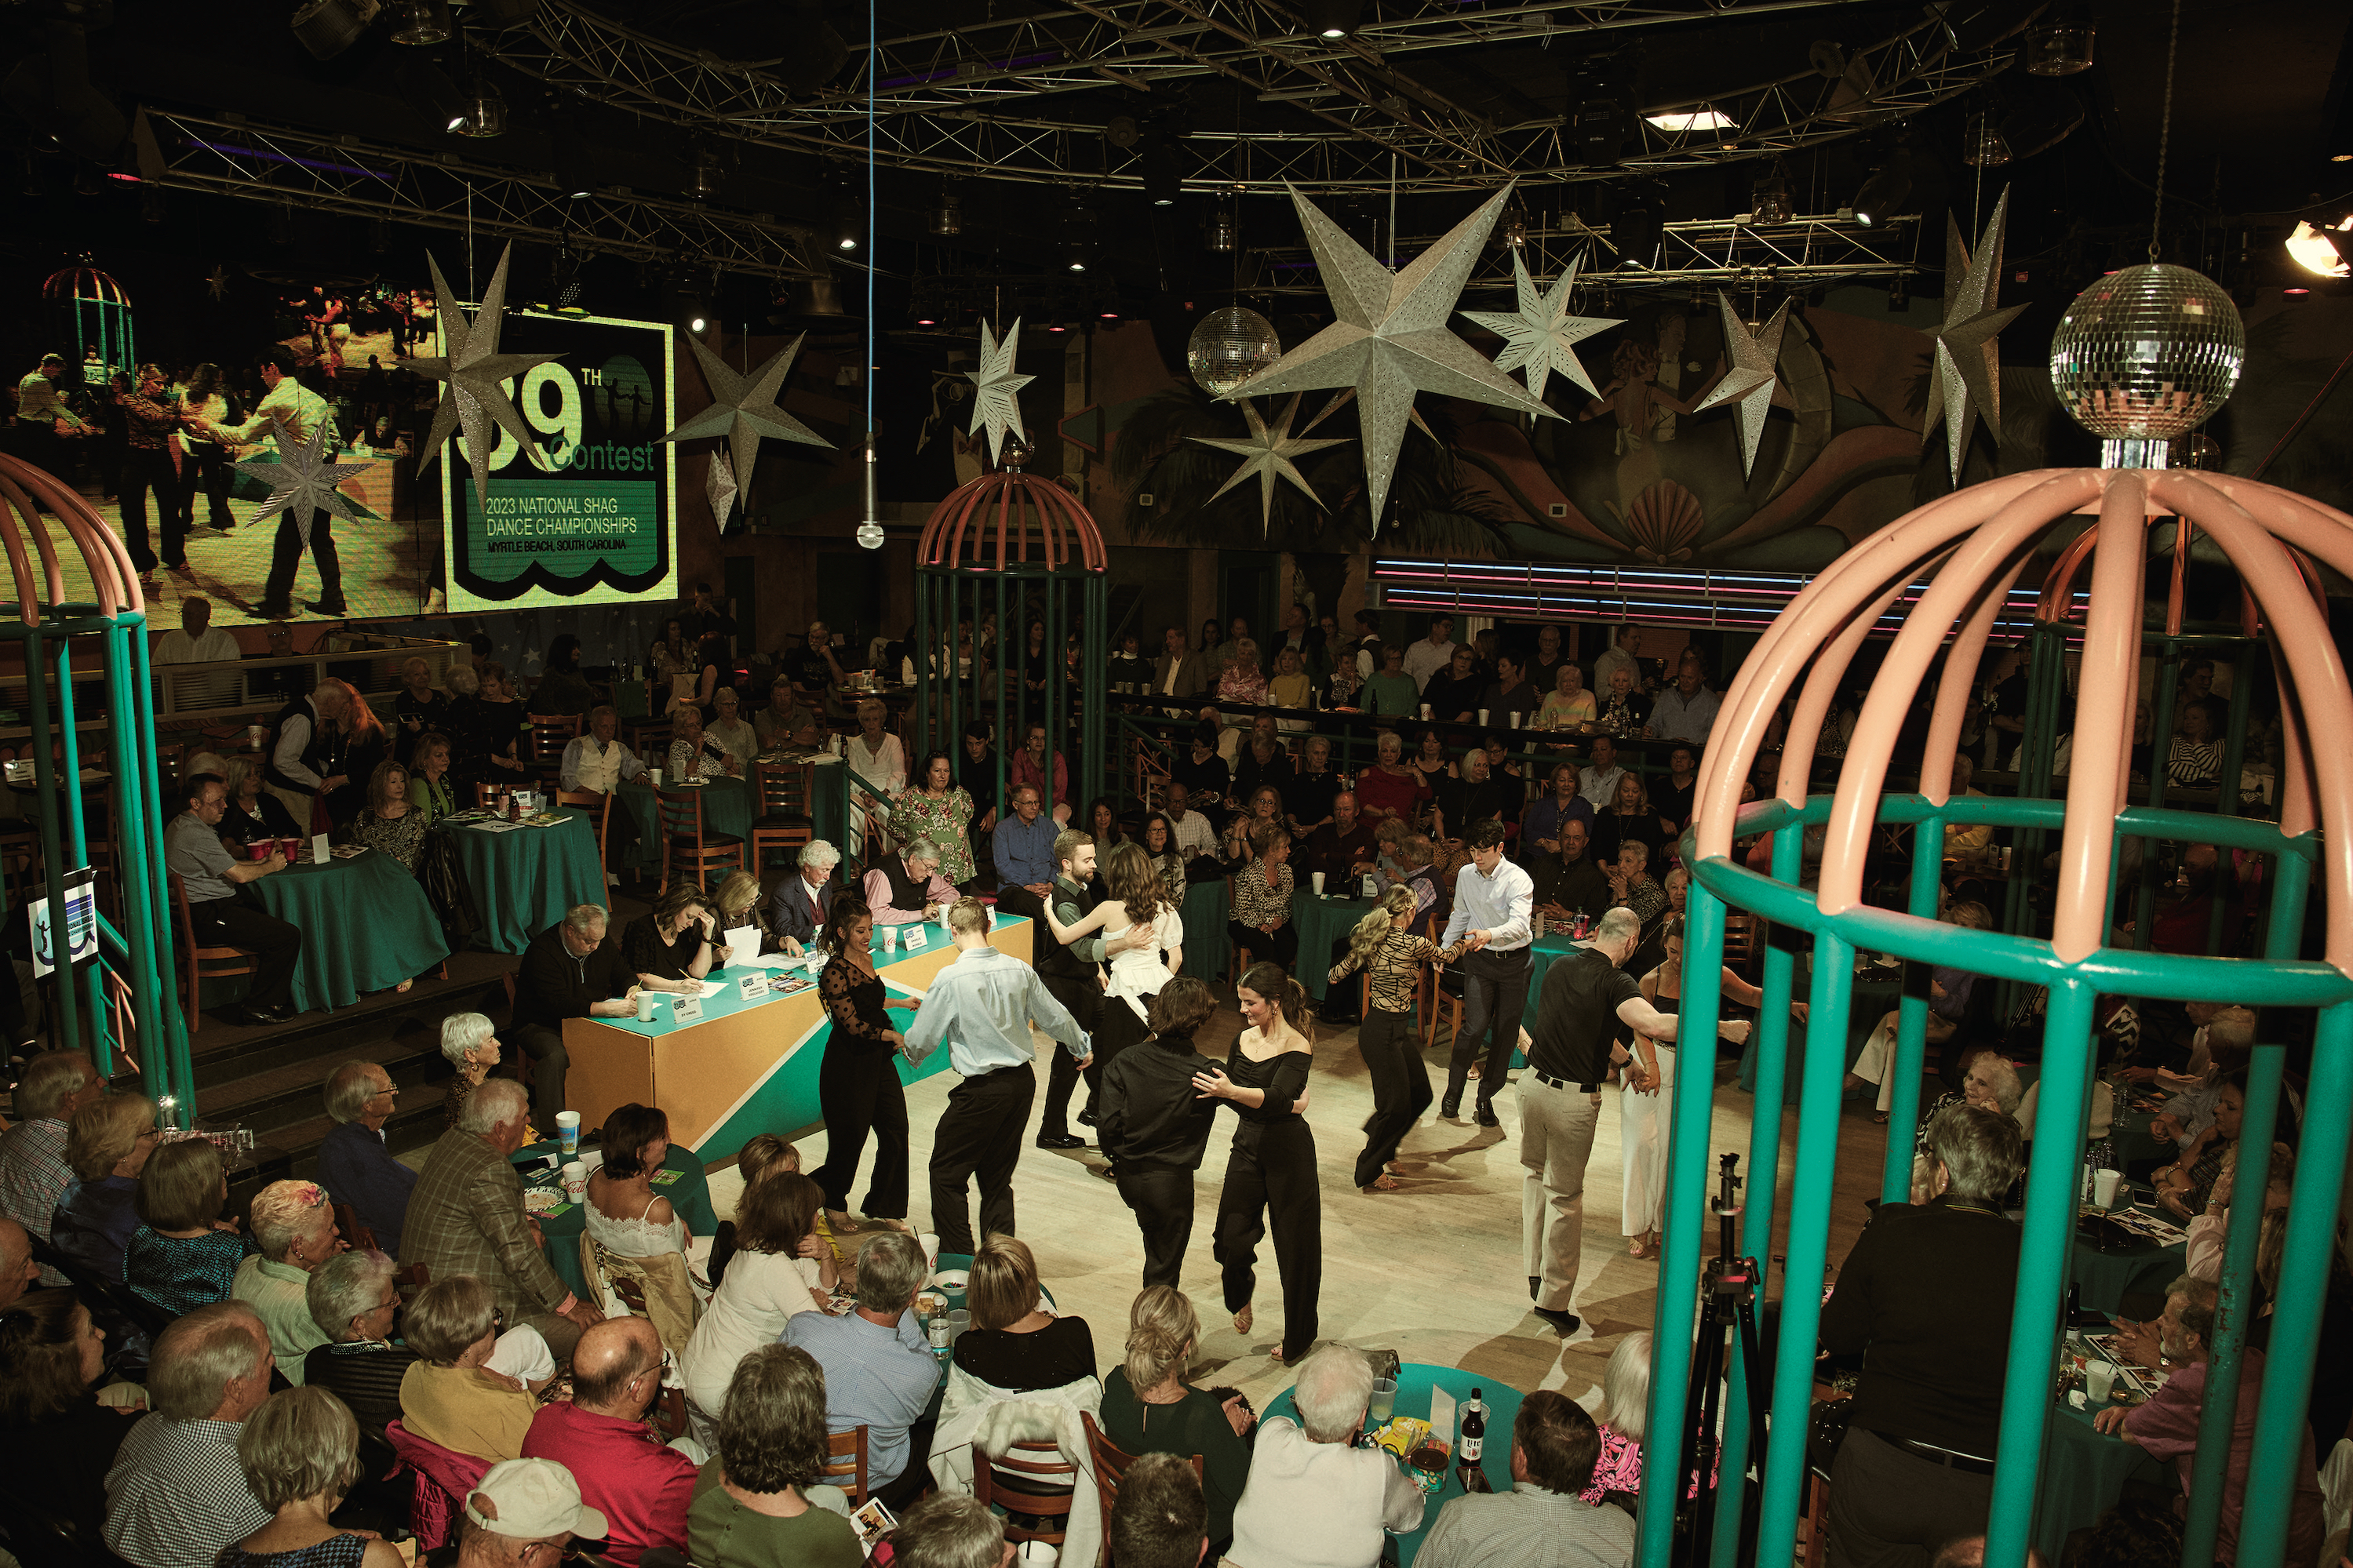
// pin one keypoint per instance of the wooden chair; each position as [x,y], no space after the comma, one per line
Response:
[549,734]
[995,1485]
[602,804]
[686,848]
[1111,1464]
[1436,999]
[784,821]
[845,1463]
[205,962]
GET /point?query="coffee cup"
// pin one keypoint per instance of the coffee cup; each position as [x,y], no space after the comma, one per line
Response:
[1515,718]
[2099,1381]
[1317,879]
[890,938]
[1483,717]
[931,1245]
[1425,710]
[2103,1188]
[655,776]
[575,1176]
[645,1006]
[1037,1554]
[567,1132]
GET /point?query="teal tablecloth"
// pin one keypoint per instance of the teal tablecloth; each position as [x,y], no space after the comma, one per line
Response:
[1208,949]
[2102,1279]
[1415,1380]
[366,926]
[727,808]
[524,878]
[681,1180]
[1321,922]
[2084,1472]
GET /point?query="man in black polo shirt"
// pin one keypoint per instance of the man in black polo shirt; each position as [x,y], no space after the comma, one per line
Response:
[569,971]
[1587,994]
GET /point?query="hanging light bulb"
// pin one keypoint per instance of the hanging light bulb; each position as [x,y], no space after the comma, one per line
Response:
[869,533]
[1770,200]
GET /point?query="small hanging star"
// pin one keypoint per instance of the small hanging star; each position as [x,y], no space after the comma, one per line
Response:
[743,408]
[1966,379]
[1541,335]
[217,281]
[994,402]
[301,480]
[1753,381]
[1268,453]
[474,368]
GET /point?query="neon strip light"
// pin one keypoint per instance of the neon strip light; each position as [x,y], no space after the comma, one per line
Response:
[232,148]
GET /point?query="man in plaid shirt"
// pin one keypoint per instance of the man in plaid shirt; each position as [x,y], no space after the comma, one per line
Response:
[32,1170]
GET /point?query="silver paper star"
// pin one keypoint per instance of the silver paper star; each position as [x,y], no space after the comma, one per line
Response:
[1541,335]
[1391,339]
[1268,453]
[719,484]
[217,281]
[301,479]
[743,408]
[1752,383]
[1965,380]
[994,403]
[474,368]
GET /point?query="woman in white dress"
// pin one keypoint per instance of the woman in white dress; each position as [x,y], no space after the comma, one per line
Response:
[1139,896]
[781,1268]
[629,1219]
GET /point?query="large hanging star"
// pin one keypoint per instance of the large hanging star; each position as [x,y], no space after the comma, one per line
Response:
[301,479]
[743,408]
[996,401]
[1541,335]
[1391,339]
[473,367]
[1965,380]
[1268,453]
[1752,385]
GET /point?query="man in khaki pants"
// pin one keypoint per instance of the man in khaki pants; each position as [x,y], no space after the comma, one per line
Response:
[1585,995]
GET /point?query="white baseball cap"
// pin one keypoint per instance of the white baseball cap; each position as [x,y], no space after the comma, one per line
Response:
[533,1500]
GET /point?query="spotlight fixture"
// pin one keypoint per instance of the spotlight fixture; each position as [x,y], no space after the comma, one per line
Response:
[1512,232]
[576,164]
[846,223]
[1884,192]
[2295,296]
[2061,46]
[328,27]
[1687,120]
[422,23]
[1637,226]
[1057,327]
[1078,237]
[1983,146]
[485,111]
[1770,200]
[2321,249]
[946,218]
[1600,118]
[1331,18]
[1221,231]
[1122,131]
[1164,182]
[702,175]
[697,318]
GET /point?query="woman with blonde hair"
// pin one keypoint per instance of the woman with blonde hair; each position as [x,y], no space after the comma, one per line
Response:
[107,1144]
[737,904]
[1139,897]
[1242,680]
[1270,1172]
[1391,962]
[252,813]
[301,1453]
[1015,1343]
[1629,818]
[389,823]
[1149,1408]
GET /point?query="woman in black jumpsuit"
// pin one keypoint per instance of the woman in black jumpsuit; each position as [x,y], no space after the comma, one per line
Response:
[858,1087]
[1270,1172]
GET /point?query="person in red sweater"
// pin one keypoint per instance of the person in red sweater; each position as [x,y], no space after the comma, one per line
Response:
[641,1489]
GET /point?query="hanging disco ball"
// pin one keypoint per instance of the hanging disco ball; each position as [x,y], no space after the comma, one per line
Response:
[2148,353]
[1229,347]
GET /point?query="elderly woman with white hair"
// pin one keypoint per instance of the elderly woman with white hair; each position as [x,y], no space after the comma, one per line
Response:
[1314,1500]
[294,1226]
[473,1050]
[803,901]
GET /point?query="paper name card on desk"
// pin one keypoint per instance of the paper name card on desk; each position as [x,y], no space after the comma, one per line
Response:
[913,936]
[686,1009]
[754,986]
[319,852]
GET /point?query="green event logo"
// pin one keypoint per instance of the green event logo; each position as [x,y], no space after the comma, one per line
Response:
[565,525]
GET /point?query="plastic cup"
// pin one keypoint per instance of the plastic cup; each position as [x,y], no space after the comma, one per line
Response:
[1317,879]
[262,849]
[1515,718]
[575,1174]
[1384,1402]
[931,1245]
[567,1132]
[1037,1554]
[1483,717]
[1425,710]
[2103,1188]
[2099,1381]
[655,774]
[645,1006]
[890,939]
[959,1319]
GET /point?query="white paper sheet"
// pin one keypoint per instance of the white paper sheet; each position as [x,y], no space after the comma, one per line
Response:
[742,942]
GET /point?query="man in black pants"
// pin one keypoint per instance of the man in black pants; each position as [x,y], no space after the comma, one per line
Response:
[1155,1126]
[982,1005]
[217,916]
[1492,902]
[569,971]
[1073,976]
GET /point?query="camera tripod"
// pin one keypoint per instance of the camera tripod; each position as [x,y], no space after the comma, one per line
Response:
[1729,1290]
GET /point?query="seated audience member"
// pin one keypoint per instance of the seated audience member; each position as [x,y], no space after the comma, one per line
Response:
[804,900]
[1023,848]
[253,814]
[473,1050]
[355,1301]
[56,1442]
[177,1494]
[1204,773]
[672,946]
[184,1254]
[595,761]
[1195,835]
[949,1531]
[569,971]
[520,1507]
[1015,1344]
[879,1371]
[18,1272]
[629,1219]
[1343,847]
[352,1162]
[1925,1297]
[432,787]
[301,1455]
[599,1435]
[1949,990]
[2166,1425]
[779,1268]
[763,1154]
[693,754]
[1263,892]
[1149,1408]
[1314,1500]
[211,876]
[388,823]
[107,1147]
[903,888]
[1543,1519]
[466,1217]
[1161,1520]
[1621,1420]
[34,1175]
[449,1395]
[735,736]
[294,1227]
[751,1506]
[785,721]
[1572,882]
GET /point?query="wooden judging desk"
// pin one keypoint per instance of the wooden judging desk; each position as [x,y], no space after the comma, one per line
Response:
[743,1068]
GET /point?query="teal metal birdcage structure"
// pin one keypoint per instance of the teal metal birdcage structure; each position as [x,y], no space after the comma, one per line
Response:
[94,312]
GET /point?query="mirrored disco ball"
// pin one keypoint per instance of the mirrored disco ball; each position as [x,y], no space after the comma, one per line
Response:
[1229,347]
[2148,353]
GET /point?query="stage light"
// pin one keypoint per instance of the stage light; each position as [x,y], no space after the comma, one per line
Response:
[2316,250]
[1637,226]
[2061,46]
[1600,118]
[1057,327]
[52,92]
[2295,296]
[1882,194]
[702,176]
[1122,131]
[422,23]
[1331,18]
[1220,234]
[1512,232]
[1162,180]
[946,218]
[1696,120]
[846,218]
[1078,237]
[1768,199]
[328,27]
[1983,146]
[576,164]
[698,320]
[485,111]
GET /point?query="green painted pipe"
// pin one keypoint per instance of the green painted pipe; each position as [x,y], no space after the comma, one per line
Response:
[1911,1023]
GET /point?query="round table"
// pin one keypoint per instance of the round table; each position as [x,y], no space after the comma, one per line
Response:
[2083,1474]
[727,808]
[681,1180]
[2102,1279]
[524,878]
[366,926]
[1415,1380]
[1321,921]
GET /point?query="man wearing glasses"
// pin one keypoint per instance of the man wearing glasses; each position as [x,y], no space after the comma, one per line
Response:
[353,1163]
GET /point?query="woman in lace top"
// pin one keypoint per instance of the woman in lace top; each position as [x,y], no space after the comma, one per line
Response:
[937,808]
[1391,962]
[389,823]
[858,1087]
[301,1453]
[184,1254]
[624,1213]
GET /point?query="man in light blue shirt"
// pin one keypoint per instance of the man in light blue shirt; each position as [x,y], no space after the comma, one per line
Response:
[880,1371]
[1023,850]
[981,1006]
[1493,899]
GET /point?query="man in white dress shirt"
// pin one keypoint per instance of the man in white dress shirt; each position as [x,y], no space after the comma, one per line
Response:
[198,641]
[1493,899]
[1433,653]
[598,761]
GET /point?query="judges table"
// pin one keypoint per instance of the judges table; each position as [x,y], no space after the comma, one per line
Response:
[366,926]
[524,878]
[745,1067]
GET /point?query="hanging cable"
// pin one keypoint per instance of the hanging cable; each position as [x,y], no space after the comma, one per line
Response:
[2164,130]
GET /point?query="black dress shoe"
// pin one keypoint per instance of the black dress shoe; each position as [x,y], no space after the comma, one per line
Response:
[1563,1323]
[1450,1109]
[1059,1140]
[1087,1118]
[1487,1116]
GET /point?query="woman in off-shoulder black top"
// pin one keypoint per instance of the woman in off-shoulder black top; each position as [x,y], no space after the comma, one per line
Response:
[858,1087]
[1271,1172]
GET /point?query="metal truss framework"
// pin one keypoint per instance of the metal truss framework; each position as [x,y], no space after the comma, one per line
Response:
[231,156]
[966,102]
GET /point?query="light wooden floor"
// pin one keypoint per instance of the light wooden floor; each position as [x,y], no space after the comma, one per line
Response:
[1433,1272]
